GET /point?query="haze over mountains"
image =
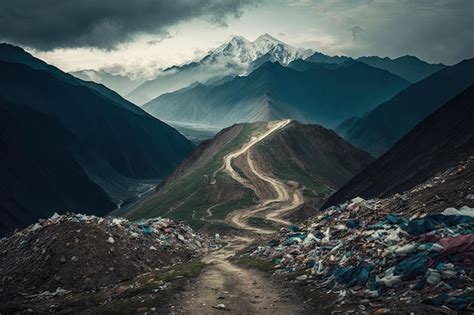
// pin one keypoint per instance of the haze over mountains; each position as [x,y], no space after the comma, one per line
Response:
[274,91]
[121,84]
[80,137]
[230,59]
[240,56]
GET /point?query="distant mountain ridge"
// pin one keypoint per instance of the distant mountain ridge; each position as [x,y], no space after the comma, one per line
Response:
[121,84]
[234,57]
[318,93]
[410,68]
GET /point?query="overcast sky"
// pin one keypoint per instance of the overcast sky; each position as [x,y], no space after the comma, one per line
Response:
[142,35]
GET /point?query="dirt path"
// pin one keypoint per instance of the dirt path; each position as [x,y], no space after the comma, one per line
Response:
[226,287]
[238,290]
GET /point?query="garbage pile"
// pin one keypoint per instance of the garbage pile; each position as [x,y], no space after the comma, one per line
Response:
[363,252]
[76,252]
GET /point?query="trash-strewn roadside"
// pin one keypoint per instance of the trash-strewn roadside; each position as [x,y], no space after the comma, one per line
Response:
[367,254]
[78,253]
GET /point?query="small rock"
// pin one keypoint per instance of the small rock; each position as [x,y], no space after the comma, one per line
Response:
[110,240]
[221,307]
[63,260]
[302,277]
[74,259]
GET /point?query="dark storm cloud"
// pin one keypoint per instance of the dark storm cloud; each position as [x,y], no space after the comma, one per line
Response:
[50,24]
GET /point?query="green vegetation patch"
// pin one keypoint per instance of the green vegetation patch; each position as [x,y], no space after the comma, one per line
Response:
[190,193]
[288,170]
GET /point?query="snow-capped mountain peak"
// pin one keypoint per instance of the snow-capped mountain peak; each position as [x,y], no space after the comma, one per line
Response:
[241,50]
[266,41]
[238,48]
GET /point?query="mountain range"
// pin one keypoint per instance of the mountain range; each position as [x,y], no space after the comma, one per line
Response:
[317,94]
[380,129]
[440,141]
[239,56]
[410,68]
[232,58]
[80,137]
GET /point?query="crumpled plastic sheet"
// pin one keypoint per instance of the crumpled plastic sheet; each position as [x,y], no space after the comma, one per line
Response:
[453,302]
[434,222]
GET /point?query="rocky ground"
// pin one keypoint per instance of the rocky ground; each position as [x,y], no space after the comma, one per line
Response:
[70,261]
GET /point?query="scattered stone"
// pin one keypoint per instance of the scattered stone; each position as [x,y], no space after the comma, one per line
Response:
[221,307]
[302,277]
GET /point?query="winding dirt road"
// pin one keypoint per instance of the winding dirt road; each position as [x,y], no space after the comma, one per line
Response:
[224,286]
[287,199]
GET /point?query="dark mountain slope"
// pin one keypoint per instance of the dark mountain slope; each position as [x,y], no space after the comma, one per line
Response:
[77,149]
[39,170]
[384,126]
[408,67]
[437,143]
[14,54]
[319,94]
[135,145]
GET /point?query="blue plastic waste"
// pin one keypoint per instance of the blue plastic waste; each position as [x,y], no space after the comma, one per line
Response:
[434,222]
[294,228]
[410,268]
[389,219]
[352,224]
[352,276]
[453,302]
[146,228]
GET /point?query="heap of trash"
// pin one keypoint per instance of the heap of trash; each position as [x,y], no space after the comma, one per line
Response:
[76,252]
[364,253]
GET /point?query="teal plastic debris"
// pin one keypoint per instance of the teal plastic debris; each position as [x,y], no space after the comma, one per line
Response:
[434,222]
[294,228]
[147,229]
[412,267]
[352,224]
[352,276]
[453,302]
